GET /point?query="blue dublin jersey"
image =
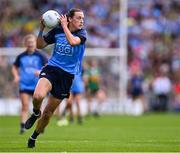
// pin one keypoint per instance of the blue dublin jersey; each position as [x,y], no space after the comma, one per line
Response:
[27,65]
[64,55]
[78,84]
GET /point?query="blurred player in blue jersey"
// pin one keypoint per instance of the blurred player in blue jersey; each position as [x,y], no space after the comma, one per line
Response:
[25,70]
[57,76]
[77,90]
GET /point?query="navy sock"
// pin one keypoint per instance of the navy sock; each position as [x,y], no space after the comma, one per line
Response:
[36,111]
[22,125]
[34,135]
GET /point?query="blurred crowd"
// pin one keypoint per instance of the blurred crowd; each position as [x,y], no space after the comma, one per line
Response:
[153,38]
[22,17]
[154,51]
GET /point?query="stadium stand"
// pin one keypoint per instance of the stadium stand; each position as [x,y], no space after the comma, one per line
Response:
[153,31]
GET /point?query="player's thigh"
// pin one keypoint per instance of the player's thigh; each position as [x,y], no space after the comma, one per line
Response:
[89,95]
[70,99]
[101,95]
[43,87]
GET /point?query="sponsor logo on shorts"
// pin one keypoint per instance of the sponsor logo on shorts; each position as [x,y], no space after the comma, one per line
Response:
[64,94]
[43,74]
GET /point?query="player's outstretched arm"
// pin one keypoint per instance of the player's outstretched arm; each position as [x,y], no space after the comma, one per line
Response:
[15,73]
[40,40]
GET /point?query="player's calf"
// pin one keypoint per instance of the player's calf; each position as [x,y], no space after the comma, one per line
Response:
[32,119]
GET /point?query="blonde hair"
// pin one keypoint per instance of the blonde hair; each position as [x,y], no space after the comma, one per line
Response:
[28,36]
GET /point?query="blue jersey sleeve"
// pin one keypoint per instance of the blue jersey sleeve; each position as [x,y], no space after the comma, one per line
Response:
[18,58]
[17,62]
[82,34]
[50,36]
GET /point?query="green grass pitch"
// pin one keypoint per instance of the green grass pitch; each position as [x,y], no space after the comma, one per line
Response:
[109,133]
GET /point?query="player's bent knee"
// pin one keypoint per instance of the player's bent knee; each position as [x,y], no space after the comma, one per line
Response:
[38,96]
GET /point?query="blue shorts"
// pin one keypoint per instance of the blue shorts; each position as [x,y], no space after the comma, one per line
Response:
[27,91]
[61,81]
[77,87]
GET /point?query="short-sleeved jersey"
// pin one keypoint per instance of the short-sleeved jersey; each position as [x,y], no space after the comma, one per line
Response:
[65,56]
[28,64]
[78,84]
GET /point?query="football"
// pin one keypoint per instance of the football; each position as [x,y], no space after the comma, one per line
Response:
[51,18]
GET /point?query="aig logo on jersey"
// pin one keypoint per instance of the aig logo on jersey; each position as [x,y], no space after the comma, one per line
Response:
[64,49]
[62,46]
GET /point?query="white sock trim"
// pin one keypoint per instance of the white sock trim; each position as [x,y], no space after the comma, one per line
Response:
[32,138]
[36,114]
